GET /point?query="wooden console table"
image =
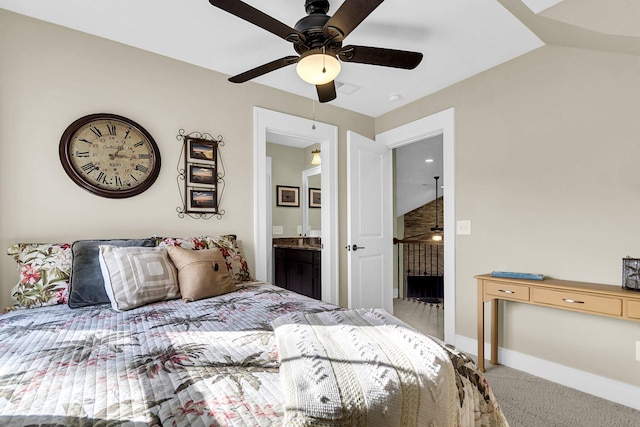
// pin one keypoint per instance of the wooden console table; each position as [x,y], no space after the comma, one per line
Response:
[593,298]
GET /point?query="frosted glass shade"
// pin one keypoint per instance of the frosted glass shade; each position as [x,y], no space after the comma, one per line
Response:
[317,68]
[316,157]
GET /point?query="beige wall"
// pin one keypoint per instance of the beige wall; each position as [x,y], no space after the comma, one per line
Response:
[546,158]
[50,76]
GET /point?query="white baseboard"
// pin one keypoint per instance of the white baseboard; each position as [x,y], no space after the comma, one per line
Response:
[606,388]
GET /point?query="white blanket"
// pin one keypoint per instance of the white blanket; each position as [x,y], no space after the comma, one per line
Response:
[363,368]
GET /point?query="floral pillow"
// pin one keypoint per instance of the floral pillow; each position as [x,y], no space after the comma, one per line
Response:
[44,270]
[236,264]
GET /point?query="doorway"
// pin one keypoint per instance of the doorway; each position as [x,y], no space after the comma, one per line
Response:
[441,123]
[269,123]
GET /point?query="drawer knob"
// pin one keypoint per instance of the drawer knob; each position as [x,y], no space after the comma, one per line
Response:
[572,301]
[506,291]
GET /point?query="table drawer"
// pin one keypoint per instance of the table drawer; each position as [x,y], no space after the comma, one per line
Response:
[578,301]
[633,309]
[507,291]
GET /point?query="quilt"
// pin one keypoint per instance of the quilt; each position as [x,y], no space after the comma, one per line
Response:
[212,362]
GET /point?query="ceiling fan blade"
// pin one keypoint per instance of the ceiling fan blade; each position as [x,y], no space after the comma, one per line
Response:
[350,15]
[264,69]
[380,56]
[326,92]
[261,19]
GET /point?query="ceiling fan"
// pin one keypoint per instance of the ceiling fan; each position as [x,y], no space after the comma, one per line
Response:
[317,38]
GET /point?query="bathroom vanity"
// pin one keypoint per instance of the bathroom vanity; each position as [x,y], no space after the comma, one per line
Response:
[297,265]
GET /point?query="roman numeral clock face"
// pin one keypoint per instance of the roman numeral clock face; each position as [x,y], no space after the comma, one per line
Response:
[109,155]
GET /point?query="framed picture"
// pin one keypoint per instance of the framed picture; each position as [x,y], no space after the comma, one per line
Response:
[201,175]
[287,196]
[314,198]
[201,200]
[201,151]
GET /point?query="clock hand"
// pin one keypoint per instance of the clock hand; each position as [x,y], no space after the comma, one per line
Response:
[120,148]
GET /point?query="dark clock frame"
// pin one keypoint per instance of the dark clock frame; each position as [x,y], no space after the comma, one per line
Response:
[67,164]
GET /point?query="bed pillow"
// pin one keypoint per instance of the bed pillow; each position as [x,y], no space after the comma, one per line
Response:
[136,276]
[236,264]
[87,285]
[201,274]
[195,243]
[44,270]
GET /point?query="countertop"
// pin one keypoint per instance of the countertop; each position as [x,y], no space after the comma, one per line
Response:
[301,243]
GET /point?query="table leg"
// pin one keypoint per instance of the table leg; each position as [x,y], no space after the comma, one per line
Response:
[480,328]
[494,331]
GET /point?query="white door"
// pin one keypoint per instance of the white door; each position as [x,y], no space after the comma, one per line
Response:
[369,223]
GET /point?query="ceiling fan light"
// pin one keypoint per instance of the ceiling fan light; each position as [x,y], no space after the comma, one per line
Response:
[318,68]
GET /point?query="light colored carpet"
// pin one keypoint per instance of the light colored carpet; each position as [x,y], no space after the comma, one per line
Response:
[526,400]
[426,318]
[529,401]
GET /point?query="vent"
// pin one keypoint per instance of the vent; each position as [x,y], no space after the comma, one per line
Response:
[345,88]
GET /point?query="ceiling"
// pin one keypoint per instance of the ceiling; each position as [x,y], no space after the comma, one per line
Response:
[417,165]
[459,38]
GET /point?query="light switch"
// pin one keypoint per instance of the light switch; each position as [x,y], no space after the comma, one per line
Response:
[277,230]
[463,227]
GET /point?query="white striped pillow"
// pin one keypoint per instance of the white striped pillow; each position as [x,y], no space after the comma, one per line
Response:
[136,276]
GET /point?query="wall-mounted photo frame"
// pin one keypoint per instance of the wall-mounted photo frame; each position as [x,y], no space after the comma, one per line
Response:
[202,200]
[315,198]
[201,150]
[201,175]
[287,196]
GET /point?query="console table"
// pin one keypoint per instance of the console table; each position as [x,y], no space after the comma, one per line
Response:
[592,298]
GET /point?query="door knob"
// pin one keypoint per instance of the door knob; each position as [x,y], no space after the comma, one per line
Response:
[356,247]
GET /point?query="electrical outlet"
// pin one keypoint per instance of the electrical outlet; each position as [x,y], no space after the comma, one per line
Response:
[638,351]
[299,230]
[463,227]
[277,230]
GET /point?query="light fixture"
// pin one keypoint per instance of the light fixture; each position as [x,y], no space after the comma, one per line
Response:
[317,67]
[437,230]
[316,157]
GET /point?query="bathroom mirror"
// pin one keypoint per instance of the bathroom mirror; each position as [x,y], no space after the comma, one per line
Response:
[312,202]
[291,167]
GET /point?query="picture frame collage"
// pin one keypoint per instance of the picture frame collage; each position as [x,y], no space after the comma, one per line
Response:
[201,183]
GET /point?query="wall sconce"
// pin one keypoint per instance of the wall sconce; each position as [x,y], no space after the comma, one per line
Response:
[318,68]
[316,157]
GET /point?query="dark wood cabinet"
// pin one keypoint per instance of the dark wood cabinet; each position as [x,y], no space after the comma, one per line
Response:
[298,270]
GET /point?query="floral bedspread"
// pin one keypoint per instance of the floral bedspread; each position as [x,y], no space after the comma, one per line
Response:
[206,363]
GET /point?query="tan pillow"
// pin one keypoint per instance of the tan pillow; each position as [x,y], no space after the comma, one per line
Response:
[135,276]
[201,274]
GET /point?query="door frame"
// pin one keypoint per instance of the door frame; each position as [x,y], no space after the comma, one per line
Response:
[268,121]
[427,127]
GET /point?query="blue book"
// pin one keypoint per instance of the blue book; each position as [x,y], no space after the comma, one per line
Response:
[513,275]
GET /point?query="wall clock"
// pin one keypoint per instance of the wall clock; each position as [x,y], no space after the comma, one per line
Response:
[109,155]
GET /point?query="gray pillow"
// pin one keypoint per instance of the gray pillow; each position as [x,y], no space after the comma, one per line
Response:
[87,283]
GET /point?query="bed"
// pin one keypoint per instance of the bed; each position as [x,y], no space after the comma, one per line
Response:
[254,355]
